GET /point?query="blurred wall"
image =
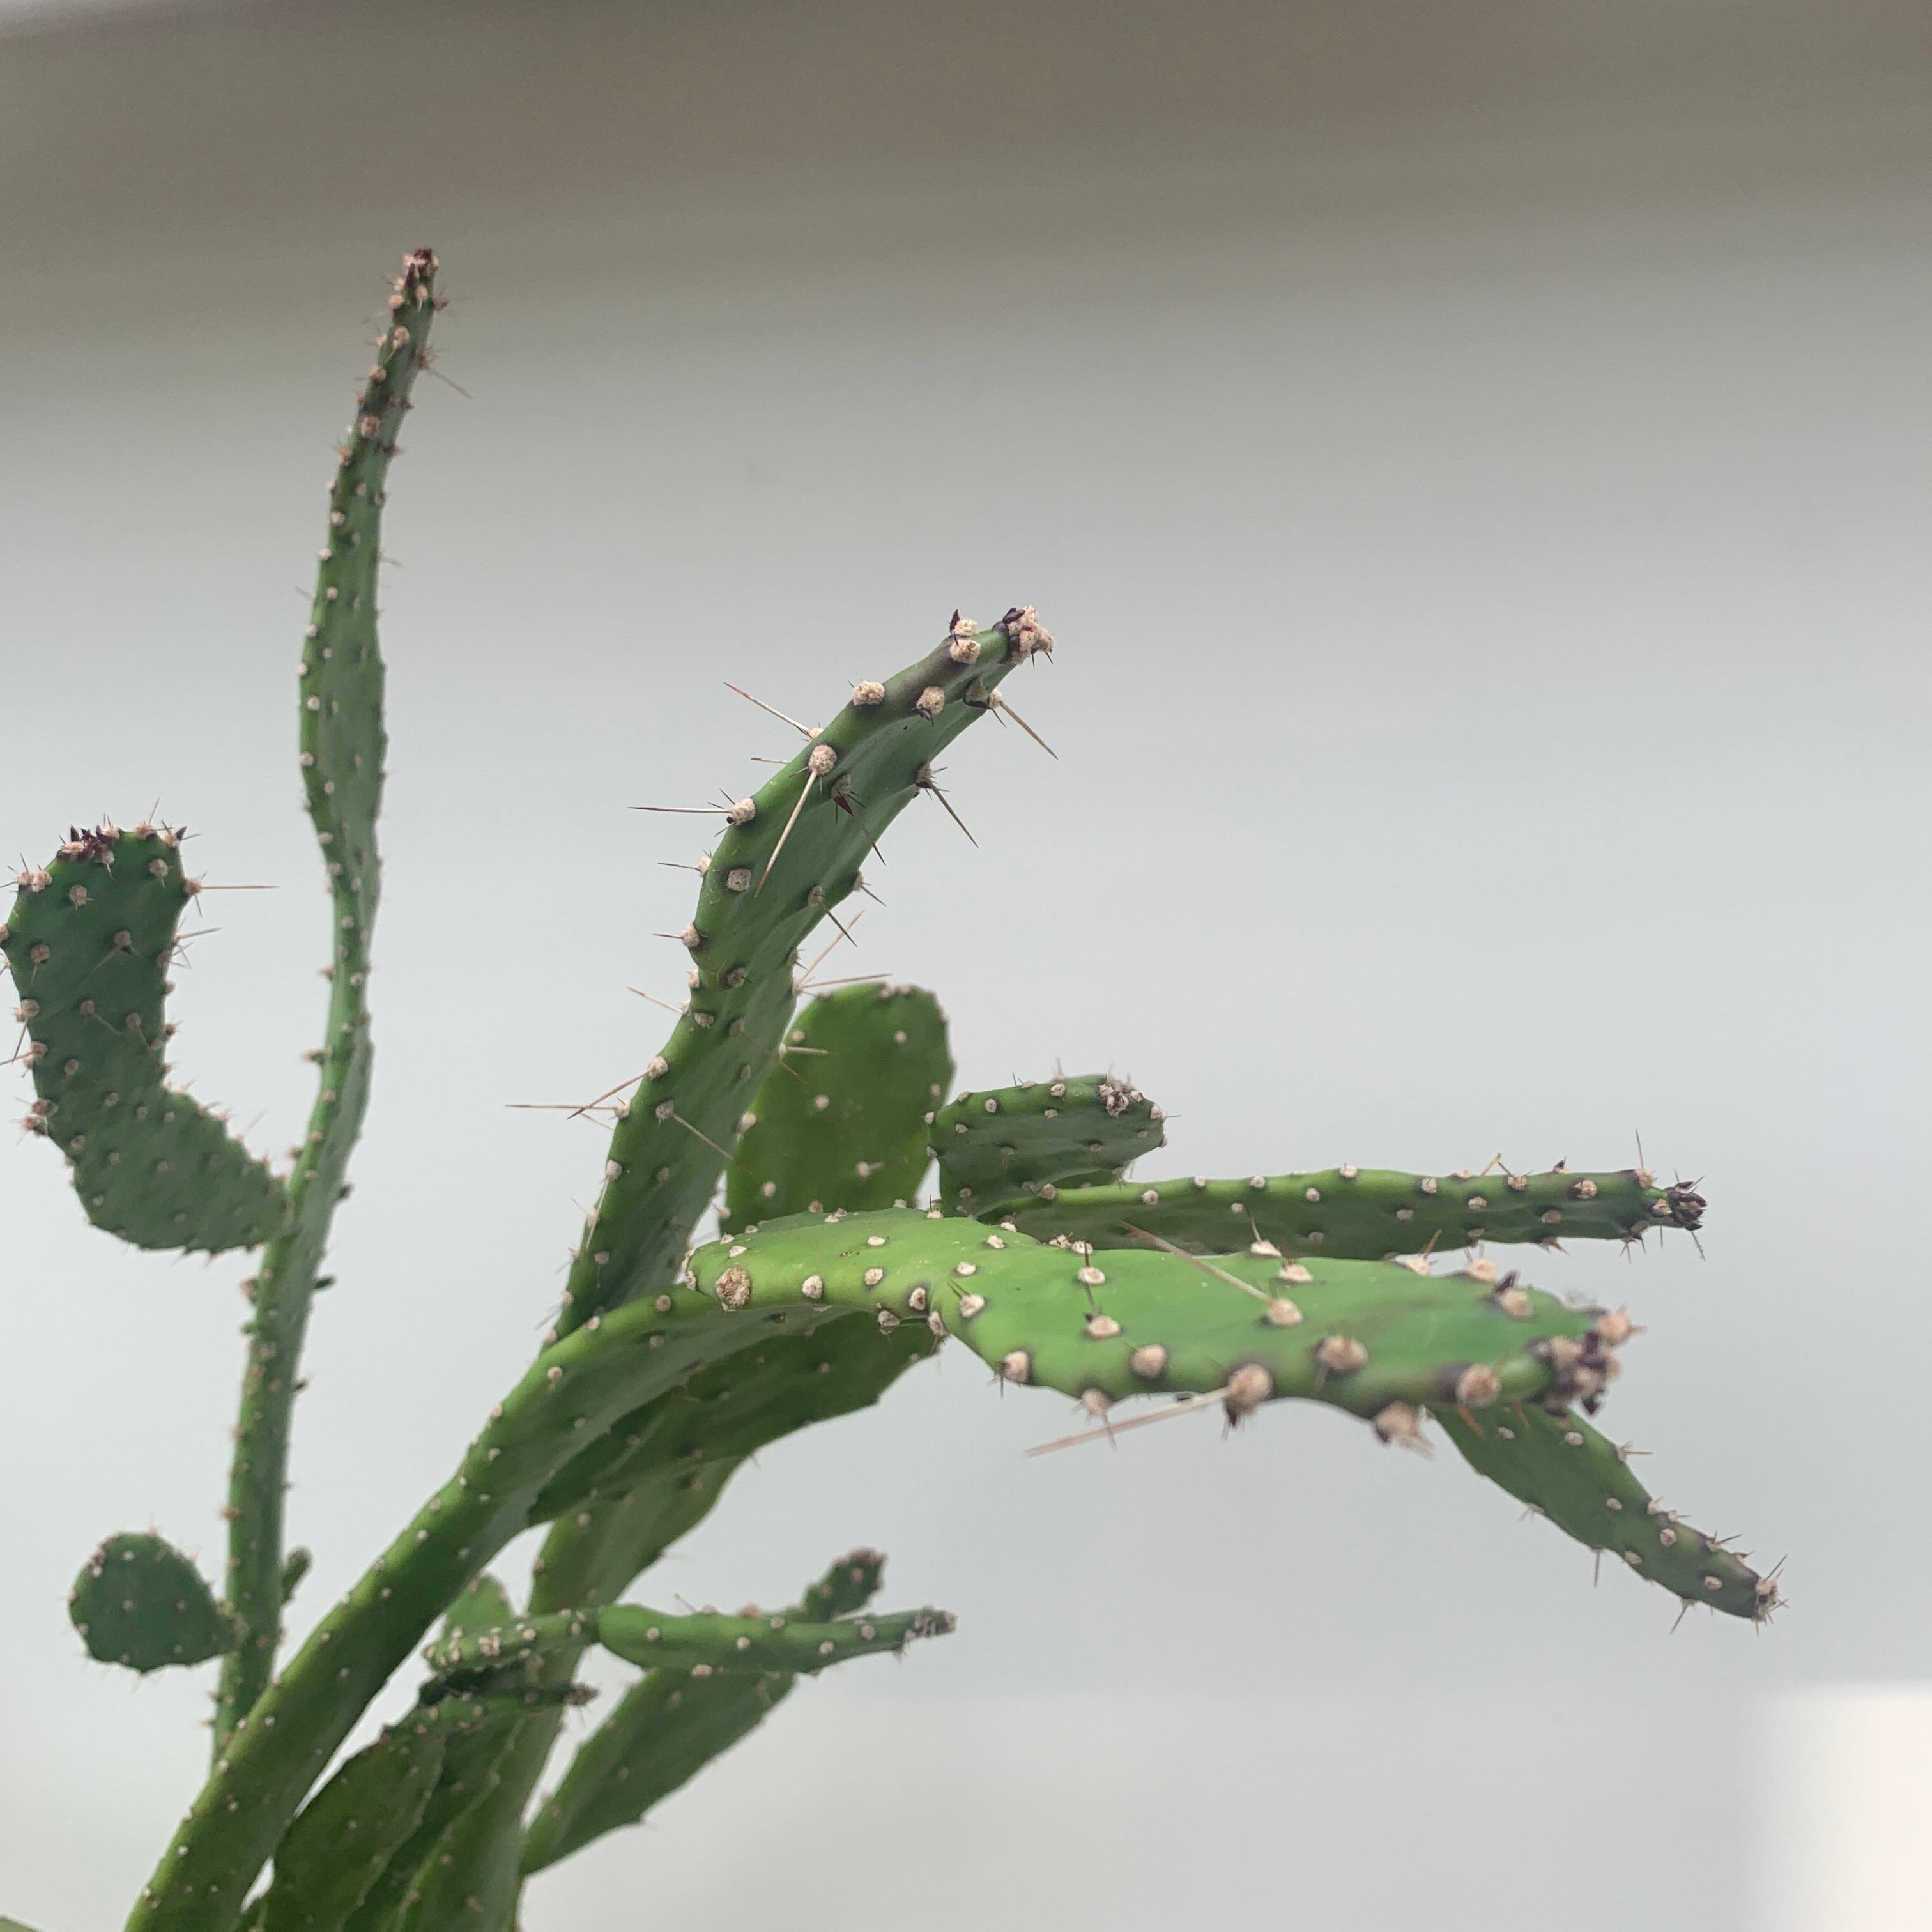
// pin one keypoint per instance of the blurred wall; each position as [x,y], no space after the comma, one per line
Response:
[1473,458]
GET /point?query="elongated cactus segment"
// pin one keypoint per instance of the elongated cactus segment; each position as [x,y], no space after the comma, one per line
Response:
[1041,1135]
[666,1729]
[1369,1337]
[90,941]
[346,1834]
[789,853]
[702,1646]
[1568,1471]
[140,1603]
[1358,1213]
[477,1734]
[343,746]
[841,1122]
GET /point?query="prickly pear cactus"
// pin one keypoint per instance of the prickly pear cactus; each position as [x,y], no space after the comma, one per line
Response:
[676,1358]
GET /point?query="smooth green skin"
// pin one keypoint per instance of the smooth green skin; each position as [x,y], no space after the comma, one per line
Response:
[992,1146]
[90,942]
[668,1727]
[468,1778]
[743,941]
[343,746]
[1358,1214]
[703,1645]
[1577,1477]
[348,1833]
[140,1603]
[1421,1331]
[842,1123]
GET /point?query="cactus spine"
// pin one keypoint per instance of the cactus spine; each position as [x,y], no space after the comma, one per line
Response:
[675,1359]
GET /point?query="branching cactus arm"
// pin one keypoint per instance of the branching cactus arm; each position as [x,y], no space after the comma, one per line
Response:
[1568,1470]
[874,1053]
[343,747]
[789,853]
[668,1726]
[1384,1341]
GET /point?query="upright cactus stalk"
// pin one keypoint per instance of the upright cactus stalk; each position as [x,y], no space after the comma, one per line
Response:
[676,1358]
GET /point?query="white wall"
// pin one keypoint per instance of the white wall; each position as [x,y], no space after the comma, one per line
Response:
[1475,468]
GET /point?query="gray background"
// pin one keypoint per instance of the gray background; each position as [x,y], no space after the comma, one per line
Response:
[1474,458]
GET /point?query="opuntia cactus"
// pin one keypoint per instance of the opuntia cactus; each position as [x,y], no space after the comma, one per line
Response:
[675,1357]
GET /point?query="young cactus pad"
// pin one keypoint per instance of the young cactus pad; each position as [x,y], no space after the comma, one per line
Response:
[90,941]
[1041,1135]
[140,1603]
[841,1121]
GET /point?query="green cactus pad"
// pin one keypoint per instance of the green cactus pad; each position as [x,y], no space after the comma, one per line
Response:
[1357,1213]
[90,941]
[1361,1335]
[667,1728]
[1572,1473]
[1041,1135]
[702,1646]
[789,854]
[140,1603]
[842,1124]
